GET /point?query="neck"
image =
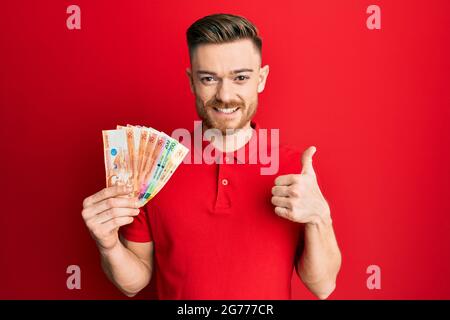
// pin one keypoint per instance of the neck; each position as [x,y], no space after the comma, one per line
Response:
[234,141]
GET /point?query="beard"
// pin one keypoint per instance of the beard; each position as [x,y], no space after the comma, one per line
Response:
[208,114]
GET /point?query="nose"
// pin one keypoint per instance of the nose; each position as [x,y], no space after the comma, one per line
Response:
[224,91]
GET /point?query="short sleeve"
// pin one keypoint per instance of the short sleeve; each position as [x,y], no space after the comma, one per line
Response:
[139,230]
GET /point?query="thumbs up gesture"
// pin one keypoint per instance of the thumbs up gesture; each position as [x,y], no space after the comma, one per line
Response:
[297,197]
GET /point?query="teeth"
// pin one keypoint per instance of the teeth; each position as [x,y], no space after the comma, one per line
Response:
[226,110]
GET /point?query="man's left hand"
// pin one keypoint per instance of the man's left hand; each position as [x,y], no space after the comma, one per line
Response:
[297,197]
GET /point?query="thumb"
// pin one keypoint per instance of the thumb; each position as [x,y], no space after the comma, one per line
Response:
[307,155]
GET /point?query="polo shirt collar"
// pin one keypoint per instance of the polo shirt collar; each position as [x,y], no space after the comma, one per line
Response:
[249,152]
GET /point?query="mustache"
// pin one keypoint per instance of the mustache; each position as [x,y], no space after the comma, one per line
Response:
[224,105]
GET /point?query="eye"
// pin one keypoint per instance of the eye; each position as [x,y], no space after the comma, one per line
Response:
[207,79]
[241,78]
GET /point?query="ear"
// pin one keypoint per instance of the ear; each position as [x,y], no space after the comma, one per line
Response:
[263,74]
[191,80]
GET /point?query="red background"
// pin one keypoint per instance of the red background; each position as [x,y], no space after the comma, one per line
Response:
[375,102]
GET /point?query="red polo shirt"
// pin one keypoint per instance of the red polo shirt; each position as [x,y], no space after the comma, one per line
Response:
[215,232]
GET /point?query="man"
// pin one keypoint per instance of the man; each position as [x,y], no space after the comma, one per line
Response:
[222,230]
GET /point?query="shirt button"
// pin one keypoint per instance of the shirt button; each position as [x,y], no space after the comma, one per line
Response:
[224,182]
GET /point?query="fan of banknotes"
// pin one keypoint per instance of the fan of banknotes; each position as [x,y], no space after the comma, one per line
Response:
[142,158]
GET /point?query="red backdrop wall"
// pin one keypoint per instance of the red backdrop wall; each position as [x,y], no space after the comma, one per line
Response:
[375,103]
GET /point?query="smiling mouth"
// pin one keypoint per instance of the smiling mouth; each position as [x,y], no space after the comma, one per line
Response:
[226,110]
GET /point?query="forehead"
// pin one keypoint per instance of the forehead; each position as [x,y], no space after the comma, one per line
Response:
[224,57]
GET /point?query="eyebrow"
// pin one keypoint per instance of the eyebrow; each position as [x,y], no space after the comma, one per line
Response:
[233,72]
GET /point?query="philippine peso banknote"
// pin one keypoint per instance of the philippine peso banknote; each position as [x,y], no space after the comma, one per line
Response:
[141,157]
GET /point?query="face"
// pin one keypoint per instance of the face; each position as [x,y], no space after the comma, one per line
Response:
[226,80]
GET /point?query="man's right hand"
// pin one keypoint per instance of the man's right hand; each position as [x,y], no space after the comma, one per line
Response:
[106,211]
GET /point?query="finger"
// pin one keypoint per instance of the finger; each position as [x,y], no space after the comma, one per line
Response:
[114,203]
[282,202]
[307,156]
[109,192]
[280,191]
[281,211]
[118,202]
[117,223]
[286,180]
[113,213]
